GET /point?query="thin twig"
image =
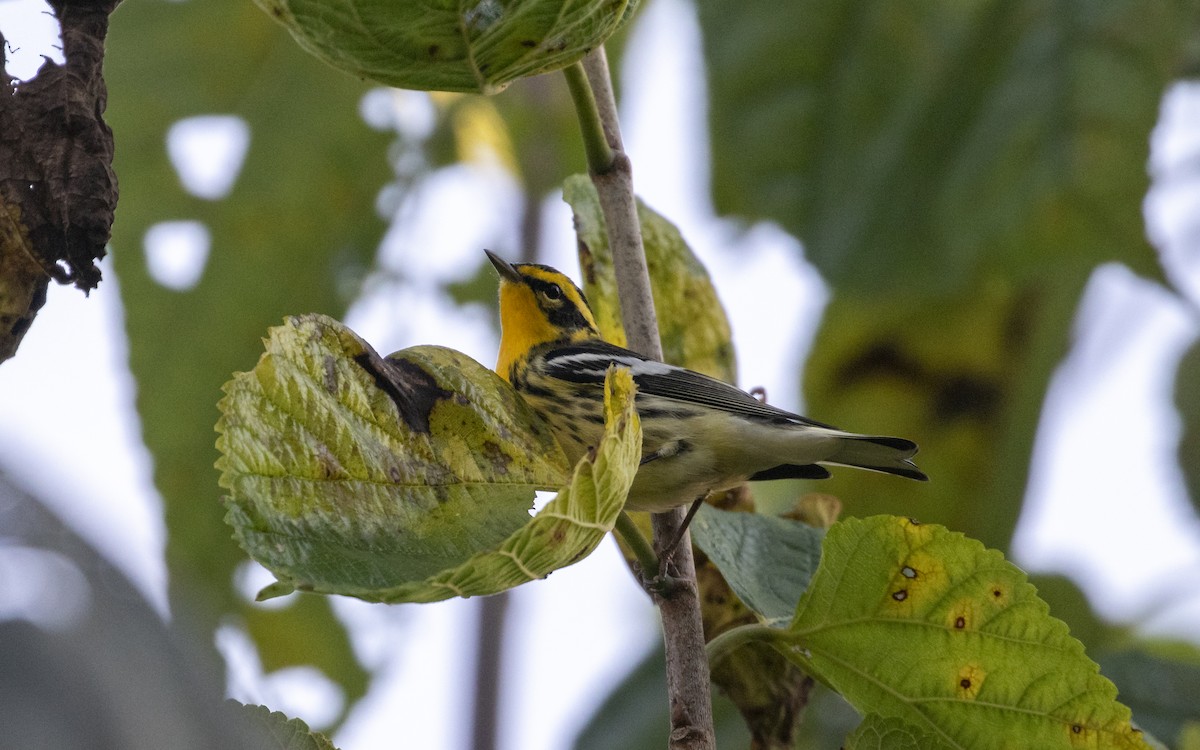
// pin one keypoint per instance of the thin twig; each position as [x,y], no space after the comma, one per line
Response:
[637,544]
[733,639]
[489,666]
[614,186]
[595,140]
[688,681]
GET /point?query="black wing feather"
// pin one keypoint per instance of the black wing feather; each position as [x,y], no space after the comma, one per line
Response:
[588,361]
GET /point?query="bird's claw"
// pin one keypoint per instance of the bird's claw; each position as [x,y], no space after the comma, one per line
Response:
[664,585]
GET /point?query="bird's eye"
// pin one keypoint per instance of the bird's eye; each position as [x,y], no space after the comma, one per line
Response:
[554,292]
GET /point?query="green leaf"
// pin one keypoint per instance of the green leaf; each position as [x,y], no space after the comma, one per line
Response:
[691,321]
[912,146]
[1187,401]
[917,623]
[1189,739]
[407,478]
[449,45]
[295,233]
[767,561]
[878,733]
[1160,685]
[286,734]
[964,376]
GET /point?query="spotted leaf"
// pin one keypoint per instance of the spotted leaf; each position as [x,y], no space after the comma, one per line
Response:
[878,733]
[479,46]
[916,623]
[405,478]
[691,320]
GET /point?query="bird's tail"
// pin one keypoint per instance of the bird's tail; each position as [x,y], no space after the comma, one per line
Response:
[890,455]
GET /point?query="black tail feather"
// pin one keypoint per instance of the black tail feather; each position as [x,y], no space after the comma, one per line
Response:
[792,471]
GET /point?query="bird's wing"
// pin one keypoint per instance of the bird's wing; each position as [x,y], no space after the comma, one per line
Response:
[588,361]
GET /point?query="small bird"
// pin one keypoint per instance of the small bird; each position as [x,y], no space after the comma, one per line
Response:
[699,434]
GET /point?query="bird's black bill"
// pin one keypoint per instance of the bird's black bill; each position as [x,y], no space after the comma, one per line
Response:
[505,268]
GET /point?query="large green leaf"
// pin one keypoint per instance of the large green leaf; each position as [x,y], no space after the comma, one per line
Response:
[1160,684]
[912,146]
[298,223]
[917,623]
[963,376]
[768,561]
[691,321]
[449,45]
[955,170]
[407,478]
[878,733]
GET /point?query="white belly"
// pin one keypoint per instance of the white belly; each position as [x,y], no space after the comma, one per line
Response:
[716,450]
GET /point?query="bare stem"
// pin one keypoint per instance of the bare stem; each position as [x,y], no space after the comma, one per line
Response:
[731,640]
[637,544]
[614,187]
[688,681]
[489,641]
[595,143]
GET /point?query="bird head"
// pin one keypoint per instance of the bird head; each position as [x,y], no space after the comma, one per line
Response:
[538,305]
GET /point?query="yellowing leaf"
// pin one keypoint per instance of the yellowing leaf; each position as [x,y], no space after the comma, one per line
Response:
[406,478]
[449,45]
[691,321]
[964,378]
[917,623]
[878,733]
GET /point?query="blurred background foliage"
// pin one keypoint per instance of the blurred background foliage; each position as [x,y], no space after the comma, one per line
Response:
[955,170]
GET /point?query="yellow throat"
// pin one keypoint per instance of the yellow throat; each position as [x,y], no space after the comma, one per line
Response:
[523,325]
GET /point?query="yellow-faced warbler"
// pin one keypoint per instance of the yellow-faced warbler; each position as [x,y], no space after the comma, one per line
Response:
[699,433]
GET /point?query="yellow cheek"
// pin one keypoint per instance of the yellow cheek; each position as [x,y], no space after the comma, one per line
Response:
[523,326]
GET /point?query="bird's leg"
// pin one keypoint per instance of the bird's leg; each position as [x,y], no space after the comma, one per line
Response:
[667,582]
[662,583]
[664,557]
[666,450]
